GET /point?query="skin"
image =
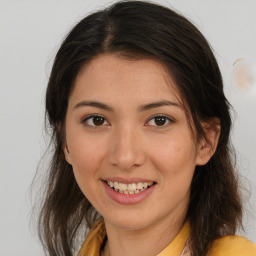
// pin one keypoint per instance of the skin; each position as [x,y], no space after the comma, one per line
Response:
[130,144]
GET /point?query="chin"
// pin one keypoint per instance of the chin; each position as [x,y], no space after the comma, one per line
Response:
[129,221]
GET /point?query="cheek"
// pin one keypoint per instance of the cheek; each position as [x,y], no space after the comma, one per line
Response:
[85,149]
[174,157]
[87,155]
[86,164]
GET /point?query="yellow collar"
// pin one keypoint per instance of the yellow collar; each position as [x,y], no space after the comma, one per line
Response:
[178,243]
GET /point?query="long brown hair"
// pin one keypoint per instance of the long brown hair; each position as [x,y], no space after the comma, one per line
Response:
[141,29]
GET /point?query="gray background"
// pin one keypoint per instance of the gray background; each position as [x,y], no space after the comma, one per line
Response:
[30,33]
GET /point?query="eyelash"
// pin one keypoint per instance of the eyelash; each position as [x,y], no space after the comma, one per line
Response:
[85,120]
[161,116]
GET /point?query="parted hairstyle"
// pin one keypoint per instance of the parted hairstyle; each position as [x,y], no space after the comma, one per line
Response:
[136,30]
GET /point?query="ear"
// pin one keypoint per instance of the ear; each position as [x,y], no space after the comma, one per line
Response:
[67,154]
[64,143]
[208,144]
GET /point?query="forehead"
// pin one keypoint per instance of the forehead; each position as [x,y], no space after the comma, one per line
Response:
[113,77]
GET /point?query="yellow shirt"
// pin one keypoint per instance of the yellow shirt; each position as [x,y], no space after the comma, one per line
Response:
[225,246]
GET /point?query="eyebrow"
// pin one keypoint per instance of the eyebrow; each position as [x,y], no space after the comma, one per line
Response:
[95,104]
[158,104]
[142,108]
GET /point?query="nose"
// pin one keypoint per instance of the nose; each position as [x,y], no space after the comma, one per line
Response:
[126,149]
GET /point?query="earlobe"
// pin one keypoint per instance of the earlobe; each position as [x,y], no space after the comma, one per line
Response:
[208,144]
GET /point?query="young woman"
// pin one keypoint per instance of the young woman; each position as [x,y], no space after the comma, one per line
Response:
[141,130]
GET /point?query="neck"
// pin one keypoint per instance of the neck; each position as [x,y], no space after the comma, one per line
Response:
[148,241]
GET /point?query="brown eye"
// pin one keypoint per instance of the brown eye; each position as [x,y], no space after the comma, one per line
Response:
[95,120]
[159,121]
[98,120]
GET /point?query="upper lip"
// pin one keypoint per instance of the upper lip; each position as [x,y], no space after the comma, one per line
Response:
[127,180]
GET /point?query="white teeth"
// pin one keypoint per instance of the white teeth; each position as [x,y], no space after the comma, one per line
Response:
[116,185]
[139,185]
[122,186]
[132,188]
[145,185]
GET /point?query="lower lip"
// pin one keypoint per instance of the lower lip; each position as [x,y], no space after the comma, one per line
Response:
[128,199]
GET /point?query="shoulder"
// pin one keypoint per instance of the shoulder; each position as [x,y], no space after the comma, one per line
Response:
[232,246]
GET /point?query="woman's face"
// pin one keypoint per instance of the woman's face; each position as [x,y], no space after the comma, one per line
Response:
[129,142]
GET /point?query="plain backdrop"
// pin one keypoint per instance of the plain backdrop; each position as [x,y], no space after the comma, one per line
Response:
[30,34]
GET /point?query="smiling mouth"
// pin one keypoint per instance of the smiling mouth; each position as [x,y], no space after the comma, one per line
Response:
[129,189]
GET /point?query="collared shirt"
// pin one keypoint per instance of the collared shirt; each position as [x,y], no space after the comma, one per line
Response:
[224,246]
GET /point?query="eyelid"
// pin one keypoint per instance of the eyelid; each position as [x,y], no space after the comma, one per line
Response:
[171,120]
[87,117]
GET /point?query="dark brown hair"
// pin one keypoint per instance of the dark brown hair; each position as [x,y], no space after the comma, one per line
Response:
[141,29]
